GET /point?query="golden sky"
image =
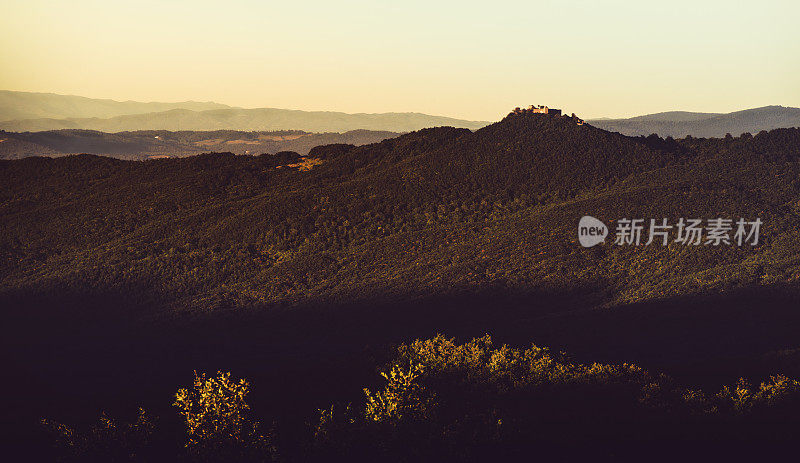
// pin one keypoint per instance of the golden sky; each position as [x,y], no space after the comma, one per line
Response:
[473,60]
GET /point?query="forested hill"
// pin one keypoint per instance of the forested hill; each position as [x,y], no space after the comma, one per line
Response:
[427,211]
[297,272]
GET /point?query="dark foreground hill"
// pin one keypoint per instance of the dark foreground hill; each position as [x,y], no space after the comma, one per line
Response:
[297,273]
[149,144]
[681,123]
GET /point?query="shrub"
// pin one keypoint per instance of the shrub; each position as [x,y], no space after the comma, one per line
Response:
[401,398]
[217,420]
[108,440]
[461,401]
[445,401]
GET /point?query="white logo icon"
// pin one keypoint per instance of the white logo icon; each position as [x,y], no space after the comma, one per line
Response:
[591,231]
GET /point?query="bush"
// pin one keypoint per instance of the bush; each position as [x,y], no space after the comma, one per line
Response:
[217,420]
[464,401]
[108,440]
[446,401]
[402,397]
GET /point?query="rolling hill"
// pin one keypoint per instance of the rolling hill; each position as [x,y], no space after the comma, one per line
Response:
[300,274]
[412,216]
[681,123]
[148,144]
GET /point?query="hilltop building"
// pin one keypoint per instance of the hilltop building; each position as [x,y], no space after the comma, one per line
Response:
[544,110]
[552,112]
[539,110]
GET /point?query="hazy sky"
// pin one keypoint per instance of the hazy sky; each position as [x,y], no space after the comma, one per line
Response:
[474,60]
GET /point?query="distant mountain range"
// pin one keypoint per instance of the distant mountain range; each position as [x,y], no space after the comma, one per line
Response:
[33,112]
[29,112]
[27,105]
[679,124]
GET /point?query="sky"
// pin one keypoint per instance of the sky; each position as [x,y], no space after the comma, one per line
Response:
[472,60]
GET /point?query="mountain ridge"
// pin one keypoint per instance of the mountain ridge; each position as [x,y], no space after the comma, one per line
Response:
[683,123]
[261,119]
[19,113]
[44,105]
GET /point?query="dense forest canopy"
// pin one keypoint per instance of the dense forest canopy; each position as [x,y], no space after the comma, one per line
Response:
[434,209]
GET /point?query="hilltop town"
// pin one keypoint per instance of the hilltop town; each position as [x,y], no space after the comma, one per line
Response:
[534,109]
